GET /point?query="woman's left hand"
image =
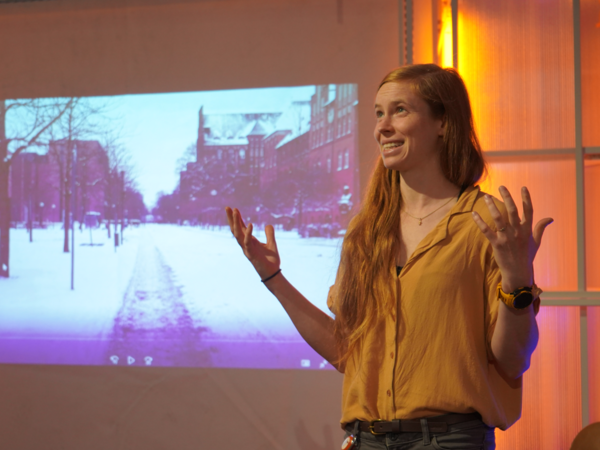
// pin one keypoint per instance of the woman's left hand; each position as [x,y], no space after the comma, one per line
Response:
[515,243]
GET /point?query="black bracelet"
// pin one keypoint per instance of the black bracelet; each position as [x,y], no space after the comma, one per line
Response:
[268,278]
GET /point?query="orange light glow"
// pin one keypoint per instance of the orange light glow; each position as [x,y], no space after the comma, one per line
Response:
[445,37]
[551,414]
[517,59]
[590,73]
[521,95]
[556,262]
[592,218]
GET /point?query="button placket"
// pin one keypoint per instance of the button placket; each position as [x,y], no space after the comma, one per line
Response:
[394,350]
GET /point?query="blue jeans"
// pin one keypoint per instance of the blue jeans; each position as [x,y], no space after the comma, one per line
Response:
[472,435]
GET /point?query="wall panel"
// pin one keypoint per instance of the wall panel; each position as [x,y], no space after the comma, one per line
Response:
[592,237]
[592,222]
[517,60]
[423,34]
[104,47]
[551,387]
[590,72]
[551,183]
[593,317]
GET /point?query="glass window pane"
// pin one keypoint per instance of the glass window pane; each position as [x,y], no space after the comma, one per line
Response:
[551,416]
[424,31]
[551,182]
[592,219]
[590,72]
[517,60]
[593,322]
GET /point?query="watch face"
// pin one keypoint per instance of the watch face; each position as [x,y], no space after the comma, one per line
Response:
[523,300]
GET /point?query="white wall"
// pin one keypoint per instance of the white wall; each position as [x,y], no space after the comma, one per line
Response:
[64,48]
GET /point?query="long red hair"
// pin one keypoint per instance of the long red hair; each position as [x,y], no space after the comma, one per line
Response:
[364,292]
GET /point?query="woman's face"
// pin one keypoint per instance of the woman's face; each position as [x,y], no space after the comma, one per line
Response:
[408,135]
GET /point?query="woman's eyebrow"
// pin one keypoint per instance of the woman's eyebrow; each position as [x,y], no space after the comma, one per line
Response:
[394,103]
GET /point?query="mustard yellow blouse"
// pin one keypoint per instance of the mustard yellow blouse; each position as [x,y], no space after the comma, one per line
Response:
[432,354]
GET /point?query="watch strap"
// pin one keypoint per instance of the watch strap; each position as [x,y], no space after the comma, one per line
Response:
[509,299]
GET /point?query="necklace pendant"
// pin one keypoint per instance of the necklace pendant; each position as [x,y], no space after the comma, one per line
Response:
[420,222]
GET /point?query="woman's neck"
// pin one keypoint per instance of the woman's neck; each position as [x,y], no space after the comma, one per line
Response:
[422,190]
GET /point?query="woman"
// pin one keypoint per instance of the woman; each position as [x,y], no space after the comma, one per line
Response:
[434,299]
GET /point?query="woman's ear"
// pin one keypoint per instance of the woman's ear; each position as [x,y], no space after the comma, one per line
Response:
[442,129]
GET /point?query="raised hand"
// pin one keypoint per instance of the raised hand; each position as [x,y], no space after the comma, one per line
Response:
[264,257]
[515,243]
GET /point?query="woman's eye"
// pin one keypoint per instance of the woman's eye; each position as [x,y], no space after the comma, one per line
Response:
[378,114]
[400,109]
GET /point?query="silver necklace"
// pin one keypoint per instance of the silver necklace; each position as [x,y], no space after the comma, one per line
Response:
[420,219]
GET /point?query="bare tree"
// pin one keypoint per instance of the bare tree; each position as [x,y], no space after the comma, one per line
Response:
[188,156]
[35,118]
[119,162]
[79,121]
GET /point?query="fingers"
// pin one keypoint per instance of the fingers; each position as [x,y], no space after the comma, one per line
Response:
[487,231]
[236,224]
[239,215]
[495,213]
[248,235]
[229,213]
[511,208]
[270,232]
[527,208]
[539,229]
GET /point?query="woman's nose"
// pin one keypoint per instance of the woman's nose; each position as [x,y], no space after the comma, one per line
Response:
[383,124]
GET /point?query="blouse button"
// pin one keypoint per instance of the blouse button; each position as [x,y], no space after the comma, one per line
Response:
[389,393]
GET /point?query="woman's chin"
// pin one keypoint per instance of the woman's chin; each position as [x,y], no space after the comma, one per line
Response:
[392,163]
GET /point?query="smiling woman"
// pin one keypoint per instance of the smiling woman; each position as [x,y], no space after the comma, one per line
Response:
[447,270]
[407,131]
[434,308]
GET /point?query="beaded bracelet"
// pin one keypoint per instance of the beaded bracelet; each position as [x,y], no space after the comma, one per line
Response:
[268,278]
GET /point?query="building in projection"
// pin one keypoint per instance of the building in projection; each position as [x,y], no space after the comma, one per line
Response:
[36,192]
[295,168]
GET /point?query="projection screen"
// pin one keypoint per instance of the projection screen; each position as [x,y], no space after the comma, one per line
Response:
[120,249]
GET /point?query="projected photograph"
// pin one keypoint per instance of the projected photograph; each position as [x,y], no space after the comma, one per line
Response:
[114,243]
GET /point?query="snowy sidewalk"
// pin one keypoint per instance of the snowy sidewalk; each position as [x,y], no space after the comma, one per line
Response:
[180,295]
[37,303]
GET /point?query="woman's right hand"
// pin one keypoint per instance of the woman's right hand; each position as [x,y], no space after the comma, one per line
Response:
[264,257]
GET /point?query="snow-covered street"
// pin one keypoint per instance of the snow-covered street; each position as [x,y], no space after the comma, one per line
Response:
[171,295]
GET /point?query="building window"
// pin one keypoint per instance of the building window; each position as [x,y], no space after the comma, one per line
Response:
[242,154]
[340,160]
[331,96]
[346,159]
[329,164]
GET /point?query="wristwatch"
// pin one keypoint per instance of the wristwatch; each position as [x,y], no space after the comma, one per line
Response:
[520,298]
